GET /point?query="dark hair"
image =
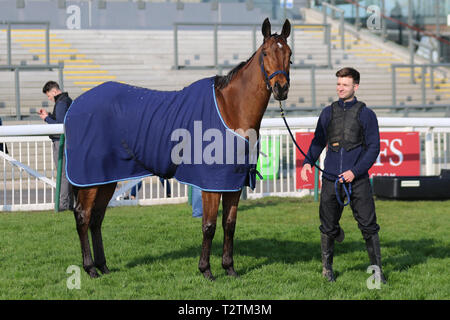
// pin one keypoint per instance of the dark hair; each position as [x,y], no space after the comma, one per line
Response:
[349,72]
[49,86]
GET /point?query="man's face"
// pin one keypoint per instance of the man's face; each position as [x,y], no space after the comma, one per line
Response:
[345,88]
[52,93]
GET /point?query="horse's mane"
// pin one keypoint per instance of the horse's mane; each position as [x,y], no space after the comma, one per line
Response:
[221,82]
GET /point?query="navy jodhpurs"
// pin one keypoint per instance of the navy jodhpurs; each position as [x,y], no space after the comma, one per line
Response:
[361,203]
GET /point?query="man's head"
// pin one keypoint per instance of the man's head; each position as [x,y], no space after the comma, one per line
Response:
[347,83]
[51,89]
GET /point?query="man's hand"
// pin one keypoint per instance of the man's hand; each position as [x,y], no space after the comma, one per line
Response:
[305,170]
[43,114]
[348,176]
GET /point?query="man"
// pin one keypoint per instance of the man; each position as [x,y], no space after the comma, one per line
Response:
[62,103]
[350,131]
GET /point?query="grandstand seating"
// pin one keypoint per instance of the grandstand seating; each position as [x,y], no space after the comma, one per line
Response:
[145,58]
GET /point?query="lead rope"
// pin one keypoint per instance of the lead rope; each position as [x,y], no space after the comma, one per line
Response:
[348,191]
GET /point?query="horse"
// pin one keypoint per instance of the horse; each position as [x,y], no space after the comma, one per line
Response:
[242,97]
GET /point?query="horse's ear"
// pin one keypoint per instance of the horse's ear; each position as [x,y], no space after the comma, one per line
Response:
[286,29]
[266,28]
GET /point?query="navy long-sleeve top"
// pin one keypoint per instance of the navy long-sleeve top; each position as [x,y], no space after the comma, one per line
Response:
[62,104]
[360,159]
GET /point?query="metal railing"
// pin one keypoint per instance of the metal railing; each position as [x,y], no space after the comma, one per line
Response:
[341,12]
[28,181]
[423,77]
[8,24]
[18,68]
[254,27]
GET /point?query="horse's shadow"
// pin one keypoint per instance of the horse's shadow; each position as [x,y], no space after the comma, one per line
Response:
[272,251]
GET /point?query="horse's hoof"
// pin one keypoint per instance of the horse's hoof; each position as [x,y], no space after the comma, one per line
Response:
[208,275]
[93,273]
[230,272]
[104,269]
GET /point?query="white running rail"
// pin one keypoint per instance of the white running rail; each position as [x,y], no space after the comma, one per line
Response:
[28,175]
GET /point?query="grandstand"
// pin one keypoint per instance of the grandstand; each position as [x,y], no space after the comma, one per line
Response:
[146,58]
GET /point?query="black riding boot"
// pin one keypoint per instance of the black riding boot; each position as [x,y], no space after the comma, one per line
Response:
[373,249]
[327,245]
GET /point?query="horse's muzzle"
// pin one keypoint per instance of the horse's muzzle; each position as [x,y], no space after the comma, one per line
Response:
[280,92]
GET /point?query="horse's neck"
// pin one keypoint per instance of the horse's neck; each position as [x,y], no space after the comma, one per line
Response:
[243,102]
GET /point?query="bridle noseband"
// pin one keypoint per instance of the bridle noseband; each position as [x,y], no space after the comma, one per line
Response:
[267,78]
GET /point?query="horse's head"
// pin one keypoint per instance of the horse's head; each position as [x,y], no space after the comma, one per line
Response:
[275,59]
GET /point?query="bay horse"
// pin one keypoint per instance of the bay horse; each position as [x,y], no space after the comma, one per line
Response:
[242,98]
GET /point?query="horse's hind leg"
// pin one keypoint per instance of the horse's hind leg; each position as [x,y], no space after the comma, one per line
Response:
[82,210]
[210,201]
[104,194]
[230,203]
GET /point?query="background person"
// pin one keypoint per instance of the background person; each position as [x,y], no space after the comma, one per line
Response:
[62,103]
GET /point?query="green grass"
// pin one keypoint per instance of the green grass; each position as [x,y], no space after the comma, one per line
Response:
[153,253]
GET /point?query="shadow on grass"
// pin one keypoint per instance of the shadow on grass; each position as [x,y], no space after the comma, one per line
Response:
[272,251]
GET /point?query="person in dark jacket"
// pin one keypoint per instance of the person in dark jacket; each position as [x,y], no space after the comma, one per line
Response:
[62,103]
[349,129]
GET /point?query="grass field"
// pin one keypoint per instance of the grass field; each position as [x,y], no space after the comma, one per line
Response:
[153,253]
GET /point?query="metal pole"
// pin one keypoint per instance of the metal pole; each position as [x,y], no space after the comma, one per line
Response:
[423,85]
[357,20]
[438,47]
[59,172]
[175,46]
[17,85]
[313,86]
[383,22]
[8,45]
[293,44]
[328,37]
[324,9]
[342,31]
[47,42]
[61,75]
[394,89]
[216,50]
[254,38]
[410,39]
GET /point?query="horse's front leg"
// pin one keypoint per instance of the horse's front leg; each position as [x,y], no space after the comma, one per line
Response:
[210,201]
[230,203]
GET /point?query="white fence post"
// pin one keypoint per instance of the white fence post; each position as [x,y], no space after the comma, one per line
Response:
[429,152]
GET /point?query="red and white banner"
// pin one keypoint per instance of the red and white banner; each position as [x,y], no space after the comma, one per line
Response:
[304,141]
[399,156]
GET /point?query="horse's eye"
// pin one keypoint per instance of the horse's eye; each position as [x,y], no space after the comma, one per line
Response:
[290,62]
[264,54]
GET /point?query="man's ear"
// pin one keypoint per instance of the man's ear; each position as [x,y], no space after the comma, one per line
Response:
[266,28]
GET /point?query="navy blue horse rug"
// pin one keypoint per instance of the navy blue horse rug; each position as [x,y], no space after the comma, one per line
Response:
[118,132]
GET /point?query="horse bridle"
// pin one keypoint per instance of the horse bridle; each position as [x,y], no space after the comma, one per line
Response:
[267,78]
